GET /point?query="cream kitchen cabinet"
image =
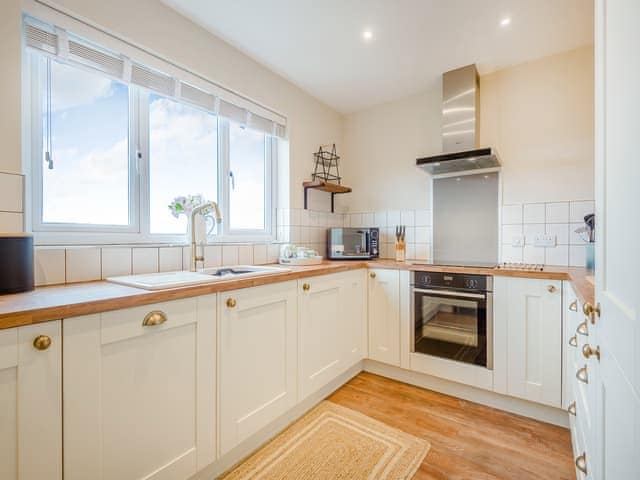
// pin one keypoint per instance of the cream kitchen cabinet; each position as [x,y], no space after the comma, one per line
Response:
[528,339]
[332,324]
[257,355]
[139,391]
[384,315]
[31,402]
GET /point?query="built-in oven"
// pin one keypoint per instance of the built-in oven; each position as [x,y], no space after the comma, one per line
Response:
[453,316]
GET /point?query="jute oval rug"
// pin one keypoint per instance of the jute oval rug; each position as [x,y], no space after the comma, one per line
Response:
[334,442]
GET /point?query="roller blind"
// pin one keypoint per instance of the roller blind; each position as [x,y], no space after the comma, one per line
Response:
[66,47]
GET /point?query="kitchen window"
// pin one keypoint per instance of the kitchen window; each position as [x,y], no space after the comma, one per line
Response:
[109,155]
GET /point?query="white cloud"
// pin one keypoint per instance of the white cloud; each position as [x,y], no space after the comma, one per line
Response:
[73,87]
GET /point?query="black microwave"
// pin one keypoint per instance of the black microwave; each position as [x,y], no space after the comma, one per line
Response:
[353,243]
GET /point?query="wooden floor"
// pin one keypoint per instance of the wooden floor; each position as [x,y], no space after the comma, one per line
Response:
[468,441]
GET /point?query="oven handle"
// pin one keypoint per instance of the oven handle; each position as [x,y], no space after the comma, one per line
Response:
[450,293]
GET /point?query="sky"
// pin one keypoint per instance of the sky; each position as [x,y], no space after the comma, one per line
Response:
[90,153]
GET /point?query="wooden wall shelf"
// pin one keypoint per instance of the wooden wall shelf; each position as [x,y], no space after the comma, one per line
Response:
[332,188]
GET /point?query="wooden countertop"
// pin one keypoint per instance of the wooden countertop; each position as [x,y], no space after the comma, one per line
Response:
[72,300]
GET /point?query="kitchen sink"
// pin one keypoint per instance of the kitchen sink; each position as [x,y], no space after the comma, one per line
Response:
[159,281]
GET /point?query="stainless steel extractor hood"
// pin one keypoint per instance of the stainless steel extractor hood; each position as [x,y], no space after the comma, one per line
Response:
[460,126]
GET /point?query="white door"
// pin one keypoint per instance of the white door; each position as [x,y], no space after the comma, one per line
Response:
[354,327]
[530,355]
[322,342]
[617,329]
[258,341]
[31,402]
[384,315]
[139,391]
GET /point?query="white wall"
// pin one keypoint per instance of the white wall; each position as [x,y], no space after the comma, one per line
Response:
[538,116]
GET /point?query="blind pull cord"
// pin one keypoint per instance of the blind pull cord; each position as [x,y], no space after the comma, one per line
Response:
[49,142]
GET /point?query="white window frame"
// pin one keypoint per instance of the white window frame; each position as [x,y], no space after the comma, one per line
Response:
[138,231]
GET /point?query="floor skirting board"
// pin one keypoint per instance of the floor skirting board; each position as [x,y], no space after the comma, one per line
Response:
[525,408]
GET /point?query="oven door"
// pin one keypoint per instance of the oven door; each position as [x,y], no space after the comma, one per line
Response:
[453,325]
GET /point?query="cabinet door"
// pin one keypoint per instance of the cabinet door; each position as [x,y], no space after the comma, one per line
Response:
[31,403]
[257,359]
[139,401]
[354,325]
[533,322]
[384,315]
[322,343]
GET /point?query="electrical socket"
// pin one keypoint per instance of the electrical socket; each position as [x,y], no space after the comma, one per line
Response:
[544,240]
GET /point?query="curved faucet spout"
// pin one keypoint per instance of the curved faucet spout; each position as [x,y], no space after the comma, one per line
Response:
[195,258]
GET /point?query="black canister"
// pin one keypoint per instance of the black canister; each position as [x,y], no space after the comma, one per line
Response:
[16,263]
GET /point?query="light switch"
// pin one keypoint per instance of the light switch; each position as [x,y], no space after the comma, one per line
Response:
[544,240]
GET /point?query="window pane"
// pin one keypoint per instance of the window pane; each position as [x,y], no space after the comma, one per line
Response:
[89,182]
[247,190]
[183,144]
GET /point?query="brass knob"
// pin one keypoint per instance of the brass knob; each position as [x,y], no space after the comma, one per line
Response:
[583,329]
[581,463]
[372,274]
[582,375]
[572,408]
[573,306]
[306,287]
[591,311]
[573,341]
[551,288]
[42,342]
[156,317]
[231,302]
[588,350]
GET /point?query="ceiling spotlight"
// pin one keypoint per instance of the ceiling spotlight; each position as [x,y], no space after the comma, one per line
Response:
[505,21]
[367,35]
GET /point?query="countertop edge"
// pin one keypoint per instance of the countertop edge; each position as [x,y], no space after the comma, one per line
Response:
[72,300]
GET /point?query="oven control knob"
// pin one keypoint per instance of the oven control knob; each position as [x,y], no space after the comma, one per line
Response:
[471,283]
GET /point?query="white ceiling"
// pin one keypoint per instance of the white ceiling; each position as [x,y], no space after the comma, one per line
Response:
[318,44]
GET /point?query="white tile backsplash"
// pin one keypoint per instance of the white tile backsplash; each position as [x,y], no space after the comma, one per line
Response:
[533,213]
[245,254]
[408,217]
[533,254]
[273,252]
[423,234]
[368,220]
[530,230]
[229,255]
[144,260]
[575,238]
[561,232]
[423,218]
[83,264]
[260,254]
[512,214]
[578,210]
[116,261]
[509,232]
[393,218]
[212,256]
[576,256]
[512,254]
[380,219]
[170,259]
[557,212]
[49,266]
[558,255]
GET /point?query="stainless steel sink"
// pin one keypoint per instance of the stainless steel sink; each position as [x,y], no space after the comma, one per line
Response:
[159,281]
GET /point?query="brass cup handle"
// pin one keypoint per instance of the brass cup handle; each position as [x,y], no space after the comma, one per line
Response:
[573,341]
[582,375]
[590,311]
[581,463]
[372,274]
[588,350]
[42,342]
[551,288]
[231,302]
[572,409]
[573,306]
[156,317]
[583,329]
[306,287]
